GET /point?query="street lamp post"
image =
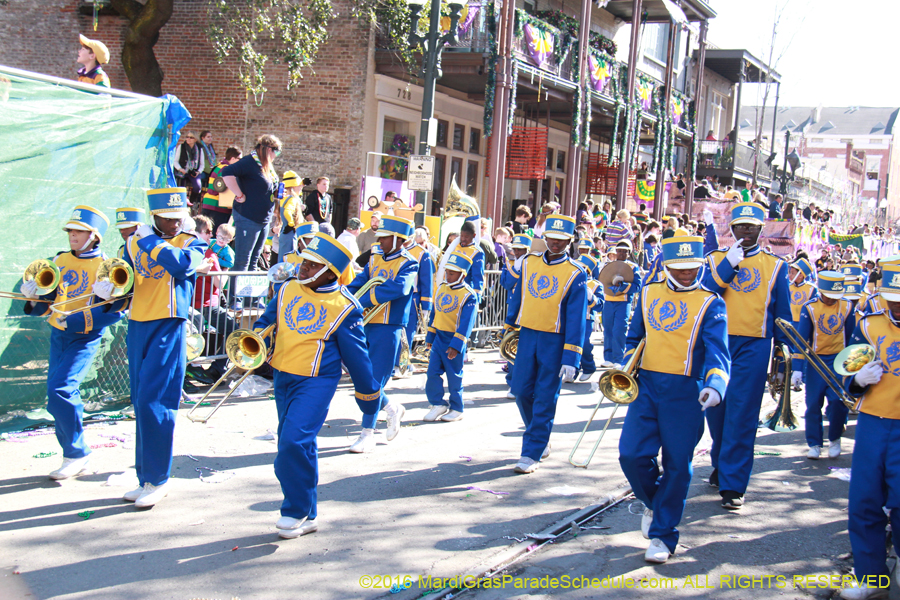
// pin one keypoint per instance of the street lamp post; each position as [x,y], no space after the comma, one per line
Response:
[432,47]
[784,175]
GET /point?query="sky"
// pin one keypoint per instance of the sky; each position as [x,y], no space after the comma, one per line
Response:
[835,53]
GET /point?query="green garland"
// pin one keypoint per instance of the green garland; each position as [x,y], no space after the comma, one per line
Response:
[491,83]
[581,116]
[511,118]
[614,146]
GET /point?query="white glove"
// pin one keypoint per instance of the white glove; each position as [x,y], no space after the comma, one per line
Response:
[188,224]
[104,289]
[709,397]
[617,280]
[29,289]
[144,231]
[708,217]
[779,377]
[869,374]
[796,378]
[735,254]
[567,373]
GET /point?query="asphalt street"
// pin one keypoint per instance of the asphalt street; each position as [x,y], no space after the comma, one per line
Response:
[440,500]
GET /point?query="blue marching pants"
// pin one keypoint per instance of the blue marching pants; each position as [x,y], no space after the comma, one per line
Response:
[733,423]
[874,483]
[588,366]
[302,404]
[438,364]
[71,356]
[384,343]
[615,329]
[157,358]
[817,391]
[412,324]
[536,384]
[666,414]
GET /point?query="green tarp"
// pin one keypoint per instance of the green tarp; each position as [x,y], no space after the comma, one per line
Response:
[61,145]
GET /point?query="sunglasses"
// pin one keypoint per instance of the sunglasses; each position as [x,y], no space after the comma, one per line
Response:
[190,137]
[275,150]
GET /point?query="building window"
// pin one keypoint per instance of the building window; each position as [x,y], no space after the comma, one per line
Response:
[440,163]
[550,162]
[475,141]
[561,161]
[876,142]
[656,42]
[558,186]
[717,115]
[472,178]
[443,132]
[530,6]
[459,135]
[456,170]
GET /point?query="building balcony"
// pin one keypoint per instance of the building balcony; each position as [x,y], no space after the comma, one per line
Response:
[725,159]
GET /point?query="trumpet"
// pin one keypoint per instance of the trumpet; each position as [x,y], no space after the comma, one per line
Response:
[618,386]
[247,351]
[112,270]
[43,272]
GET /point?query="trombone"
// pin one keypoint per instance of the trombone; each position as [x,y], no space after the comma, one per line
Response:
[247,351]
[831,380]
[43,272]
[372,312]
[783,415]
[618,386]
[112,270]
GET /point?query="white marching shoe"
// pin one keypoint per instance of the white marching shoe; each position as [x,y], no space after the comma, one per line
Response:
[364,443]
[546,452]
[510,395]
[133,495]
[814,452]
[526,465]
[657,552]
[436,412]
[646,521]
[290,528]
[152,494]
[394,412]
[606,364]
[453,415]
[585,376]
[71,467]
[860,591]
[834,449]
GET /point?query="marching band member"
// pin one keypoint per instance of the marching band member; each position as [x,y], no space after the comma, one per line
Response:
[391,261]
[595,305]
[127,222]
[874,302]
[165,260]
[469,243]
[74,340]
[304,232]
[853,291]
[826,323]
[584,249]
[319,325]
[423,289]
[686,361]
[617,308]
[754,285]
[875,467]
[509,276]
[449,327]
[801,290]
[548,305]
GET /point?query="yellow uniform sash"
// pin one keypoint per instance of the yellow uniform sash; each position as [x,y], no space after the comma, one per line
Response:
[543,289]
[448,306]
[379,267]
[306,320]
[881,399]
[77,276]
[800,295]
[591,285]
[748,295]
[672,323]
[154,293]
[828,325]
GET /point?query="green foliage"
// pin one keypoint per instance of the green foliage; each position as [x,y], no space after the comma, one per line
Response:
[391,21]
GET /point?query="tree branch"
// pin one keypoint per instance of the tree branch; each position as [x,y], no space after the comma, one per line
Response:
[127,8]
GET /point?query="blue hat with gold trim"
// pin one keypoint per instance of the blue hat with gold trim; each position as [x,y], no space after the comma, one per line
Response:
[853,288]
[521,240]
[326,250]
[86,218]
[458,262]
[890,260]
[129,217]
[307,229]
[890,281]
[393,225]
[831,284]
[851,270]
[802,265]
[588,261]
[682,252]
[748,212]
[169,203]
[560,227]
[585,244]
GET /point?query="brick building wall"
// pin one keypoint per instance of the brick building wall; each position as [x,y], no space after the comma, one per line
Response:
[320,122]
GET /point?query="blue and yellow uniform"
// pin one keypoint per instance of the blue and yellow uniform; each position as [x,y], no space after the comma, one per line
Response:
[383,332]
[755,294]
[423,290]
[686,352]
[548,304]
[126,218]
[316,329]
[449,326]
[617,312]
[509,276]
[475,277]
[876,453]
[74,340]
[584,249]
[304,232]
[827,329]
[803,292]
[594,292]
[164,277]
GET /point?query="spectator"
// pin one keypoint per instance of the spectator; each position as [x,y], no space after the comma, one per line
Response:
[367,237]
[254,181]
[189,164]
[290,210]
[221,246]
[91,55]
[747,192]
[211,207]
[701,191]
[523,214]
[710,136]
[319,206]
[502,237]
[807,212]
[209,155]
[546,210]
[679,187]
[788,212]
[619,229]
[775,207]
[349,237]
[450,238]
